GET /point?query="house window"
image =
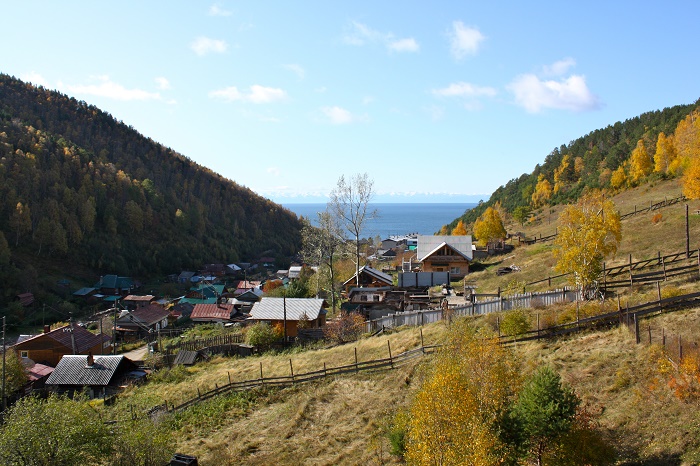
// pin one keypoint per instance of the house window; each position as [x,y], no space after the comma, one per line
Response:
[376,299]
[24,354]
[363,298]
[455,270]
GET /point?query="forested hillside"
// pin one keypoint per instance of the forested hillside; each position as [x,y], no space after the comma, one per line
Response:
[616,157]
[78,187]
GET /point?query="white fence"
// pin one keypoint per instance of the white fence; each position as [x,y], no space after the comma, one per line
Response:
[526,300]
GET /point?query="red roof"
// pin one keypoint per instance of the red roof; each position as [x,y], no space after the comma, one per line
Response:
[37,371]
[84,340]
[212,312]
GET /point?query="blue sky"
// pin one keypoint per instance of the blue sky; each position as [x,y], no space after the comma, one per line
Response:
[435,100]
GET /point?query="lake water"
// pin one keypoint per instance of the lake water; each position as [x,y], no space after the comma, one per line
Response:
[397,219]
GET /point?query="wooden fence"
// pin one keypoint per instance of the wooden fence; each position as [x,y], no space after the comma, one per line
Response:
[628,315]
[422,317]
[202,343]
[390,362]
[652,206]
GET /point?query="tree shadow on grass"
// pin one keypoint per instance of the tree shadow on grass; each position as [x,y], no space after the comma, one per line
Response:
[663,459]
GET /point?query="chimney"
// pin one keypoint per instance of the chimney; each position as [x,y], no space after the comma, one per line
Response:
[90,360]
[47,328]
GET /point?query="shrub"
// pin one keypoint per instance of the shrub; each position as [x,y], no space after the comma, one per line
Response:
[515,322]
[262,334]
[347,327]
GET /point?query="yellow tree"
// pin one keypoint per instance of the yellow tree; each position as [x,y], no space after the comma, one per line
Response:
[454,418]
[691,179]
[686,138]
[543,191]
[588,232]
[460,229]
[665,153]
[564,173]
[489,227]
[640,163]
[618,179]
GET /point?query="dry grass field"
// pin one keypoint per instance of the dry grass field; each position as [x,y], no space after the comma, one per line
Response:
[344,419]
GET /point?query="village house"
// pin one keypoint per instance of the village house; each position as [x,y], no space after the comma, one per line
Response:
[48,347]
[220,313]
[99,376]
[445,253]
[369,277]
[136,302]
[144,320]
[310,311]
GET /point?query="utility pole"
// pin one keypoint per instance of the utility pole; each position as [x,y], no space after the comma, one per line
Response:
[4,401]
[284,307]
[72,336]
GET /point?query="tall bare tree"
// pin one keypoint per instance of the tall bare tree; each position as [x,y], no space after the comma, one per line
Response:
[349,203]
[322,245]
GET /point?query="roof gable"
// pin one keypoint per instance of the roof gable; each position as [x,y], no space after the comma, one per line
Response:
[84,340]
[374,273]
[428,245]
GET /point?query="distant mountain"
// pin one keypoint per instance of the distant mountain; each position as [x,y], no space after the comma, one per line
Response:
[392,198]
[587,162]
[81,189]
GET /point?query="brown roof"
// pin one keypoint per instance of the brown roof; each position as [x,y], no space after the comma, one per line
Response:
[133,297]
[212,311]
[147,315]
[84,340]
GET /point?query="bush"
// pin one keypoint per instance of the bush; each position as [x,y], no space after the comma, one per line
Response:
[515,322]
[347,327]
[263,335]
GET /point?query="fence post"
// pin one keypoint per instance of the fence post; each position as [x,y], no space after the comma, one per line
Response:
[324,370]
[422,346]
[649,329]
[391,360]
[578,320]
[199,395]
[291,369]
[498,325]
[658,291]
[663,337]
[229,377]
[636,329]
[663,264]
[538,325]
[262,380]
[356,360]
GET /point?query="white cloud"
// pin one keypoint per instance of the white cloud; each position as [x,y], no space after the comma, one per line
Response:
[204,45]
[34,78]
[274,171]
[163,83]
[340,116]
[464,40]
[462,89]
[570,93]
[217,10]
[559,68]
[105,87]
[403,45]
[361,34]
[257,94]
[296,69]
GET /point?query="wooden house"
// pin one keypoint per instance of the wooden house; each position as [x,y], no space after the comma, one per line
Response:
[144,320]
[369,277]
[445,253]
[292,310]
[49,347]
[221,313]
[99,376]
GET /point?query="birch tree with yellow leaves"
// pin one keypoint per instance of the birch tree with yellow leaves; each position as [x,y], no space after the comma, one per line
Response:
[589,231]
[455,417]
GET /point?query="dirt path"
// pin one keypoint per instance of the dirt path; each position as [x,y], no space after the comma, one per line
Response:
[139,354]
